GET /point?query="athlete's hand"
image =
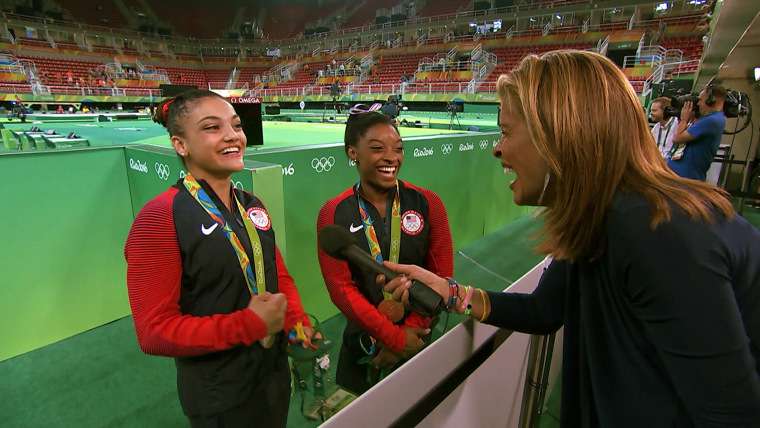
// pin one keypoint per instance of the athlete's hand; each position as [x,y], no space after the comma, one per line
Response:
[385,358]
[309,333]
[414,340]
[271,309]
[399,286]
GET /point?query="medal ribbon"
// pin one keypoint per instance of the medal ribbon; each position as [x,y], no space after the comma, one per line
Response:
[203,198]
[371,235]
[660,141]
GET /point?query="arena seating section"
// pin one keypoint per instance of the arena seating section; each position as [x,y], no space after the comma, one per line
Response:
[214,19]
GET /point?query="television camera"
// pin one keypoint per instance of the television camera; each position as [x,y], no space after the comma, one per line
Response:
[737,104]
[392,107]
[453,107]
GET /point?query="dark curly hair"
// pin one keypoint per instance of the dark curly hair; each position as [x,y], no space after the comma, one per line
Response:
[358,124]
[170,112]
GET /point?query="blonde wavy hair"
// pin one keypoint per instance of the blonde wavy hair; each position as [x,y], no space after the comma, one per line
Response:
[586,121]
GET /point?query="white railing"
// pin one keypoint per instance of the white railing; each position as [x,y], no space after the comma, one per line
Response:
[547,29]
[82,91]
[653,60]
[476,52]
[217,85]
[673,55]
[384,88]
[367,61]
[452,52]
[50,39]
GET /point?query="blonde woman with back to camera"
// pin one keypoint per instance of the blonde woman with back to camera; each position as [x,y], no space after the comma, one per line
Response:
[655,279]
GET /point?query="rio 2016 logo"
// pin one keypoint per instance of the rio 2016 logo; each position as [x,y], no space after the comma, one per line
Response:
[138,166]
[288,170]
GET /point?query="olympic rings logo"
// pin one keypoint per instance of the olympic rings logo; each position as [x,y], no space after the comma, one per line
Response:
[447,148]
[394,244]
[323,163]
[483,144]
[162,170]
[256,248]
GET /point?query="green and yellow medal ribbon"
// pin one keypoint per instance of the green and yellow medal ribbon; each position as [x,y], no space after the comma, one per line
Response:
[371,235]
[257,283]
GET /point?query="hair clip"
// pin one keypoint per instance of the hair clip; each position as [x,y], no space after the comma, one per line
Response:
[362,108]
[165,109]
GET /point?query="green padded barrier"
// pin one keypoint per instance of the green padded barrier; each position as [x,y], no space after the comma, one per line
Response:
[62,255]
[10,140]
[61,142]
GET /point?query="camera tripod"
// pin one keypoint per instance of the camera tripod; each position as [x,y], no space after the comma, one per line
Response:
[336,110]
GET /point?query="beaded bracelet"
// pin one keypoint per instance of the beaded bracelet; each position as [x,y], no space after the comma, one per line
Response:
[465,308]
[453,294]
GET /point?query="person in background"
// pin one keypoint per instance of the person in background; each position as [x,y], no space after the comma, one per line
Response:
[206,282]
[654,277]
[665,125]
[391,220]
[700,142]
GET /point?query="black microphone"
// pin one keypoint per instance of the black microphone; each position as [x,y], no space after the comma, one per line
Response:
[338,242]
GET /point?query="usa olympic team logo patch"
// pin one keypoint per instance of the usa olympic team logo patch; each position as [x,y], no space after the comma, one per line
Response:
[259,217]
[412,222]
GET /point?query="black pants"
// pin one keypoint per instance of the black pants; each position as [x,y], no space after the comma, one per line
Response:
[262,409]
[266,406]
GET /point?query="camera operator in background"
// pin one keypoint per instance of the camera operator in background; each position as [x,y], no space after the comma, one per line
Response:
[665,125]
[700,141]
[392,107]
[335,90]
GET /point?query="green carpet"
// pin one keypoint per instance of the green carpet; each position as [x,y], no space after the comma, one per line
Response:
[485,122]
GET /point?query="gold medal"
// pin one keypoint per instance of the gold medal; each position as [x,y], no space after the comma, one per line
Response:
[391,309]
